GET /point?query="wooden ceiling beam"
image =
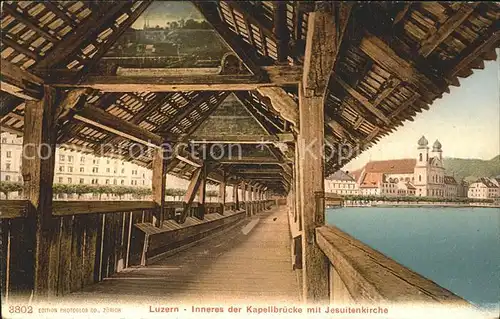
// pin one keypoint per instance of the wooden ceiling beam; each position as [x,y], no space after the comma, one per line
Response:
[251,14]
[281,31]
[19,48]
[106,46]
[454,21]
[282,103]
[185,111]
[106,121]
[488,41]
[361,99]
[148,109]
[249,160]
[382,53]
[241,139]
[257,111]
[115,83]
[74,40]
[193,128]
[20,82]
[59,13]
[24,19]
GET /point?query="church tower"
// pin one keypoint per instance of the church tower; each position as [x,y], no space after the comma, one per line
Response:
[423,152]
[421,167]
[437,150]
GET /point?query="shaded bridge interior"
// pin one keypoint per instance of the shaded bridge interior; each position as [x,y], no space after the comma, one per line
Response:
[388,62]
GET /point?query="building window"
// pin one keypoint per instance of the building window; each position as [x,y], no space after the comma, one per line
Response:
[70,169]
[4,140]
[82,180]
[122,182]
[62,157]
[107,181]
[108,169]
[70,159]
[107,162]
[82,169]
[419,178]
[7,177]
[95,169]
[123,170]
[82,159]
[7,166]
[9,154]
[420,157]
[70,180]
[61,168]
[60,179]
[114,181]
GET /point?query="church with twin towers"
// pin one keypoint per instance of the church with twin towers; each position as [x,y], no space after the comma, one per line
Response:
[422,175]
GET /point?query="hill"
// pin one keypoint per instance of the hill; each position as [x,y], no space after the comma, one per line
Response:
[472,169]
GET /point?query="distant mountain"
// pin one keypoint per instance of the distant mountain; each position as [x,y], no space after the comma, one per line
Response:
[472,169]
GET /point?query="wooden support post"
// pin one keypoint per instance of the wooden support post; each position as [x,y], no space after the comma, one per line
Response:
[298,190]
[222,193]
[236,197]
[324,35]
[191,193]
[244,196]
[159,182]
[38,173]
[201,193]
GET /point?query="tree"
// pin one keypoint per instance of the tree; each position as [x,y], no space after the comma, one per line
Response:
[7,187]
[81,189]
[211,194]
[179,192]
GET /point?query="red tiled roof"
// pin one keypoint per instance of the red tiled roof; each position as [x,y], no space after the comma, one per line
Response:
[356,174]
[398,166]
[371,180]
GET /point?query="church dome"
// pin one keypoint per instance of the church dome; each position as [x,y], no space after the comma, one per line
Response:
[422,142]
[437,146]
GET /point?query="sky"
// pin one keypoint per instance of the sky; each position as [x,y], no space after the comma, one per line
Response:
[465,121]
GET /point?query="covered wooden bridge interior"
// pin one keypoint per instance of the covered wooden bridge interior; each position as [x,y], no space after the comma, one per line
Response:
[300,87]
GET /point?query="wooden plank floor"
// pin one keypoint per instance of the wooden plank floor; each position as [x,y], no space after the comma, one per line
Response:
[242,264]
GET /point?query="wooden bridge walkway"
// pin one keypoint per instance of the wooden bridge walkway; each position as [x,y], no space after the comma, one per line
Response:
[250,261]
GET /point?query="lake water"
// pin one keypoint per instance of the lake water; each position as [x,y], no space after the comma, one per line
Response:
[458,248]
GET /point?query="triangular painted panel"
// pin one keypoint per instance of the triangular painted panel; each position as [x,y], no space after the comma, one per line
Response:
[169,34]
[230,118]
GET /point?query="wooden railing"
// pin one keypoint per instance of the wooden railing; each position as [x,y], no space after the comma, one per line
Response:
[90,241]
[360,274]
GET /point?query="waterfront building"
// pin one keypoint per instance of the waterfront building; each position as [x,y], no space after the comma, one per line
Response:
[341,183]
[423,175]
[484,188]
[72,167]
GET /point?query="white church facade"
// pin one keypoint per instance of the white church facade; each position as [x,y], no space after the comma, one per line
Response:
[423,175]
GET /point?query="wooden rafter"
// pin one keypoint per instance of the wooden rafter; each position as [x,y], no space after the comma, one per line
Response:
[104,48]
[113,83]
[74,40]
[24,18]
[363,100]
[428,45]
[104,120]
[184,112]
